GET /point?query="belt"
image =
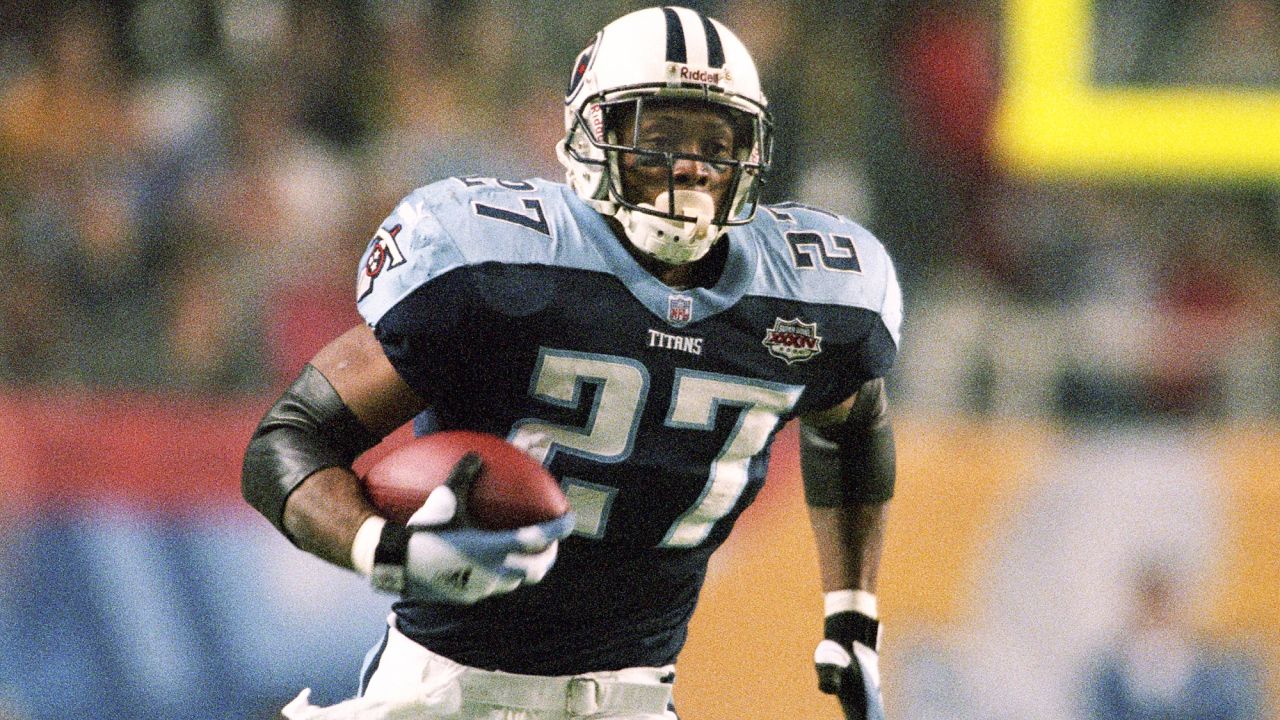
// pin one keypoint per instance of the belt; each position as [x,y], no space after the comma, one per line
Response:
[575,695]
[640,690]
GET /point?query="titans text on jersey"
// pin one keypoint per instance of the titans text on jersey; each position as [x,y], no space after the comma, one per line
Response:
[512,308]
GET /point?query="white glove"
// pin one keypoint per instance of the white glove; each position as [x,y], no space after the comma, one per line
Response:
[438,557]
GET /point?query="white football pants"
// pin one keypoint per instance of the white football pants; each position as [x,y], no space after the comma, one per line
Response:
[413,683]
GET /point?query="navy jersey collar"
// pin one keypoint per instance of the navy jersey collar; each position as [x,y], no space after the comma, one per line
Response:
[656,296]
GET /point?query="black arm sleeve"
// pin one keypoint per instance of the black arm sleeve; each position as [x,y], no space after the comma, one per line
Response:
[308,429]
[852,462]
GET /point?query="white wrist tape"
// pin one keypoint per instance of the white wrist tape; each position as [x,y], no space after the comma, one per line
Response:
[838,601]
[365,544]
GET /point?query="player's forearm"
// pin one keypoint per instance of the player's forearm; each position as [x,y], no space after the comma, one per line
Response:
[850,538]
[849,542]
[324,513]
[297,465]
[307,430]
[848,461]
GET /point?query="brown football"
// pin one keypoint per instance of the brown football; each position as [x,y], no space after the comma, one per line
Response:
[511,491]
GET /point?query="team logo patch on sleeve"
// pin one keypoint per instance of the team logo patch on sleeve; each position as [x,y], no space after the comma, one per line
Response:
[793,340]
[384,254]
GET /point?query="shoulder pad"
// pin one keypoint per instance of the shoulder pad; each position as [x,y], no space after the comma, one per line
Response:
[818,256]
[454,223]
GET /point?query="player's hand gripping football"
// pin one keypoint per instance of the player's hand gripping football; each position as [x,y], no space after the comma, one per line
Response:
[440,556]
[849,666]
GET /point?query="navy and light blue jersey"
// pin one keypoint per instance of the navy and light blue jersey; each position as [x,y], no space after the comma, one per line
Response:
[513,309]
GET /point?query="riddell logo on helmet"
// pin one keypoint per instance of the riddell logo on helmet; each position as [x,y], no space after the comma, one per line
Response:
[595,116]
[698,75]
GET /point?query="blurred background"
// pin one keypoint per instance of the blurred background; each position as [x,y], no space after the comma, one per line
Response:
[1082,199]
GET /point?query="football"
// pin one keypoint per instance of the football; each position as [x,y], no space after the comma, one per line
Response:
[511,491]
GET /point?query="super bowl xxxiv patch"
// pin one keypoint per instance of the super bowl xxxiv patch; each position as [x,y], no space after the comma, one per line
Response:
[793,340]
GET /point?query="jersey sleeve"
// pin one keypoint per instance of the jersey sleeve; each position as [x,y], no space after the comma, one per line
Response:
[433,273]
[891,306]
[829,261]
[410,249]
[879,348]
[413,287]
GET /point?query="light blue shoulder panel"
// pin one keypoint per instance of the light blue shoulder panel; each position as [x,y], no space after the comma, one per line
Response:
[815,256]
[468,221]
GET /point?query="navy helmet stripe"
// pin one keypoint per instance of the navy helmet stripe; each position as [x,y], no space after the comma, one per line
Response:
[715,51]
[675,37]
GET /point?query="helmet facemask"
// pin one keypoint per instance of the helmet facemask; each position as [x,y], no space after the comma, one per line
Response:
[648,58]
[678,225]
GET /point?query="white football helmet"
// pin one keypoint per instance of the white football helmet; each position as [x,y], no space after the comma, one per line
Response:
[664,53]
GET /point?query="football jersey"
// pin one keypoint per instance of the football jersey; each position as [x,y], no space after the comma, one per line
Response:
[514,309]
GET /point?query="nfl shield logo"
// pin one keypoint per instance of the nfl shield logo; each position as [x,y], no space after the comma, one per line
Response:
[679,309]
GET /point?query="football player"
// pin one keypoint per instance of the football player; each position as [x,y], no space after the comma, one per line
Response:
[644,330]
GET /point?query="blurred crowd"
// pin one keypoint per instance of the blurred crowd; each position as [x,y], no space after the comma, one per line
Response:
[186,187]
